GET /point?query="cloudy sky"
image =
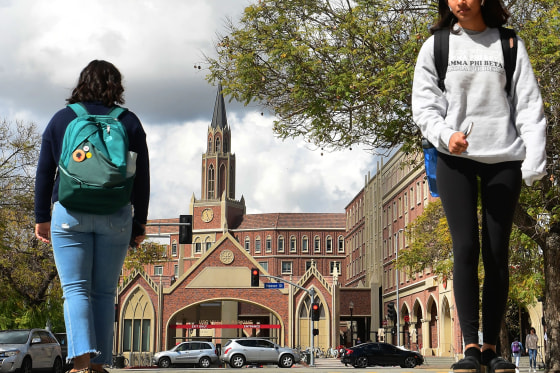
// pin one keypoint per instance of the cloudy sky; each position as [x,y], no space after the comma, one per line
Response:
[156,44]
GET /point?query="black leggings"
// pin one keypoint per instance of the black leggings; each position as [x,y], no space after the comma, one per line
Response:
[500,185]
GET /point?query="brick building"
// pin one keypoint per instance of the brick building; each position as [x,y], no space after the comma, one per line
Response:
[202,290]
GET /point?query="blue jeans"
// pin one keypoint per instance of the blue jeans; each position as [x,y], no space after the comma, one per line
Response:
[532,358]
[89,251]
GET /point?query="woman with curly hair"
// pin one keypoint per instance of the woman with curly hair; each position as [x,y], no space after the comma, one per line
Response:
[89,249]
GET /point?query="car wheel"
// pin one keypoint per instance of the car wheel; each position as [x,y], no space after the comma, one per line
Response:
[361,362]
[409,362]
[164,362]
[57,366]
[237,361]
[26,365]
[204,362]
[286,361]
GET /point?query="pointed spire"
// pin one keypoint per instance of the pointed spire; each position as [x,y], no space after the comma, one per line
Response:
[219,118]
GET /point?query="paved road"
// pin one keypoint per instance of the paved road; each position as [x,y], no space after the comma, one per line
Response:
[321,366]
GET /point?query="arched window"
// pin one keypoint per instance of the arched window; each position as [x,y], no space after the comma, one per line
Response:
[293,244]
[305,244]
[340,244]
[210,144]
[218,145]
[247,244]
[329,244]
[317,244]
[211,181]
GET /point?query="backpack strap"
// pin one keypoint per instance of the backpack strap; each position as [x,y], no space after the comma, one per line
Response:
[79,109]
[509,49]
[441,55]
[117,111]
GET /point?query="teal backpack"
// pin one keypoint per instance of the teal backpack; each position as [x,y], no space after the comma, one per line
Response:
[93,163]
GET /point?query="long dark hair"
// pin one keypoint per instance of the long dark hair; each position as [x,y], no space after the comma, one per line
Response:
[494,14]
[99,81]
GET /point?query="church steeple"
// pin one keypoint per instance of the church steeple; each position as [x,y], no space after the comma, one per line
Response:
[218,163]
[219,118]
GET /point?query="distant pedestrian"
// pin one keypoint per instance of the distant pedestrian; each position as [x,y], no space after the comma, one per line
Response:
[531,344]
[516,348]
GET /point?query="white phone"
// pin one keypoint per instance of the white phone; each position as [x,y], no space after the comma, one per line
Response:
[468,131]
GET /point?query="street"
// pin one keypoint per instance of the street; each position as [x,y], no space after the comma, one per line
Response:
[322,365]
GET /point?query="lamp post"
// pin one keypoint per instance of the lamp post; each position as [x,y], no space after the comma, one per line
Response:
[351,324]
[397,307]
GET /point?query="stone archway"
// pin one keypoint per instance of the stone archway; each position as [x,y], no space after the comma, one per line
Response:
[303,328]
[417,319]
[137,325]
[218,320]
[446,332]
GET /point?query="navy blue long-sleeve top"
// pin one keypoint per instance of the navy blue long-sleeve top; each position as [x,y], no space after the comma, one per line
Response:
[46,181]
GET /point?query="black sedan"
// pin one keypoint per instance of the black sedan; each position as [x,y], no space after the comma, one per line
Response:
[384,354]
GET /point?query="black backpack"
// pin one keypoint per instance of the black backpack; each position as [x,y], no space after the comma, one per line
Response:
[441,54]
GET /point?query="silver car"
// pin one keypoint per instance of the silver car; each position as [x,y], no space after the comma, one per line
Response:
[202,354]
[25,350]
[238,352]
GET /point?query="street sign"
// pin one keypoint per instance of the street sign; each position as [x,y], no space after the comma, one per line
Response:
[274,285]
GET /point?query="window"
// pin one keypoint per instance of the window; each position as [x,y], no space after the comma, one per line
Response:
[329,244]
[208,245]
[292,244]
[218,145]
[305,244]
[307,265]
[268,244]
[287,268]
[211,182]
[337,266]
[158,270]
[264,265]
[317,244]
[281,244]
[247,244]
[176,270]
[258,245]
[136,335]
[340,244]
[197,246]
[174,249]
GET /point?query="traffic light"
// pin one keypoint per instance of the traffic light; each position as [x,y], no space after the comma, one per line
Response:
[391,311]
[185,231]
[315,312]
[315,331]
[254,277]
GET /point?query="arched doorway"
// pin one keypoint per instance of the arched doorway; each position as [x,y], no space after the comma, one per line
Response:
[219,320]
[432,325]
[137,327]
[304,327]
[417,324]
[446,342]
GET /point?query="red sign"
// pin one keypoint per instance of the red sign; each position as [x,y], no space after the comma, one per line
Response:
[406,318]
[225,326]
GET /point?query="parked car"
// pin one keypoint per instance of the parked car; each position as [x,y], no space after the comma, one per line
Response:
[63,341]
[384,354]
[202,354]
[241,351]
[27,350]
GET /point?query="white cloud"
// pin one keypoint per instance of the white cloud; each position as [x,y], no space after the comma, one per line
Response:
[155,44]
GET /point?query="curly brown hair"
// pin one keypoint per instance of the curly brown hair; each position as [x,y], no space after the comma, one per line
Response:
[99,81]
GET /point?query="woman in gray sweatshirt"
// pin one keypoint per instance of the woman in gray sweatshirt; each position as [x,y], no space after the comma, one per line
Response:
[505,144]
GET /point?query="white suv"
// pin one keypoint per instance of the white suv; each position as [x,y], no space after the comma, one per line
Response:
[201,353]
[238,352]
[25,350]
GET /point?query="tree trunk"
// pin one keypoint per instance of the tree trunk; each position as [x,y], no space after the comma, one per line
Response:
[552,300]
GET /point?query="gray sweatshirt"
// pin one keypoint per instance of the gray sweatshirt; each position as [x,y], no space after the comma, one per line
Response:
[504,128]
